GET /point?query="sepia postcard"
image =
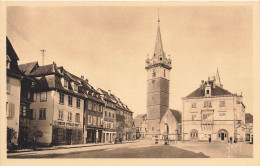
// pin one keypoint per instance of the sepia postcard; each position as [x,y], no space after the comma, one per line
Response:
[130,83]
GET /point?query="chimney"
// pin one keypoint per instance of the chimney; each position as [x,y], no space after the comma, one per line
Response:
[202,84]
[109,92]
[82,77]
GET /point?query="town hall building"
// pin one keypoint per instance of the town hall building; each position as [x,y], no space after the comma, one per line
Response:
[213,112]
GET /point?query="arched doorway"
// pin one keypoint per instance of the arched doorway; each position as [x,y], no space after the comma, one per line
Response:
[222,135]
[194,134]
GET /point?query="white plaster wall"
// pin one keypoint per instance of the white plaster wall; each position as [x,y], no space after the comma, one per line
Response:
[14,97]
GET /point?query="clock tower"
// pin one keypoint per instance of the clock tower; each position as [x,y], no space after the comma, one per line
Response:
[158,69]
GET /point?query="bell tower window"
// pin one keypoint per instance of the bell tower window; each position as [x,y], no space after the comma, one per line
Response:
[154,73]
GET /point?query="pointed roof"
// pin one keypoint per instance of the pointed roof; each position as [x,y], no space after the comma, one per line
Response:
[10,50]
[218,82]
[158,49]
[28,67]
[249,118]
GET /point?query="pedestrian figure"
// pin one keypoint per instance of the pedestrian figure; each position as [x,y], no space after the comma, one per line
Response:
[209,138]
[231,140]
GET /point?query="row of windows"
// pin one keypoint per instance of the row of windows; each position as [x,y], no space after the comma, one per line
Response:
[109,125]
[208,104]
[93,120]
[109,114]
[74,85]
[70,100]
[208,116]
[94,107]
[69,116]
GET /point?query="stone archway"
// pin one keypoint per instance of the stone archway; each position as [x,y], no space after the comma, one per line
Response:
[222,135]
[194,134]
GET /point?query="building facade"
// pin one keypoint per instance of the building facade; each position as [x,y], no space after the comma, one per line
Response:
[57,105]
[170,126]
[93,115]
[158,69]
[13,93]
[141,126]
[211,111]
[109,117]
[249,127]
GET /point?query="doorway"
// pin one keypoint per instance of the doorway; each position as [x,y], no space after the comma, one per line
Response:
[68,136]
[223,135]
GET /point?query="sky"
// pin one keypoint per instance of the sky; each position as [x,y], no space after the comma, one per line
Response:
[109,45]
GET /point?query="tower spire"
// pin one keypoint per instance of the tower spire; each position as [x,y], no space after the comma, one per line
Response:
[218,82]
[158,50]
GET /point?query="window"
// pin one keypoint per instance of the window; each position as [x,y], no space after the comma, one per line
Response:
[89,105]
[193,105]
[109,114]
[8,86]
[207,104]
[89,119]
[222,116]
[23,110]
[66,83]
[105,113]
[222,103]
[34,96]
[77,117]
[76,87]
[32,114]
[78,103]
[94,120]
[207,91]
[43,96]
[99,121]
[94,106]
[69,116]
[10,110]
[113,115]
[60,114]
[154,73]
[61,98]
[8,64]
[100,108]
[70,100]
[193,116]
[42,114]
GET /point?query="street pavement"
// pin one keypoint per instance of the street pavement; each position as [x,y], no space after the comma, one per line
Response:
[145,149]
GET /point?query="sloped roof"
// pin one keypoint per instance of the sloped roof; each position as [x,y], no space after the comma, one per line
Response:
[177,115]
[138,120]
[217,91]
[28,67]
[10,50]
[249,118]
[45,70]
[107,96]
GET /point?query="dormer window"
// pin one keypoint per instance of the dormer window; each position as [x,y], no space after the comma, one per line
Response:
[76,87]
[207,91]
[66,83]
[8,60]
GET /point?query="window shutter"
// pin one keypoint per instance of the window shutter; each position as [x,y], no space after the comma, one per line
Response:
[12,110]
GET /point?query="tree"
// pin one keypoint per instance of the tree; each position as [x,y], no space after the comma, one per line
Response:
[11,134]
[36,134]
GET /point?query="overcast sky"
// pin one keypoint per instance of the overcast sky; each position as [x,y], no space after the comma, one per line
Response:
[109,45]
